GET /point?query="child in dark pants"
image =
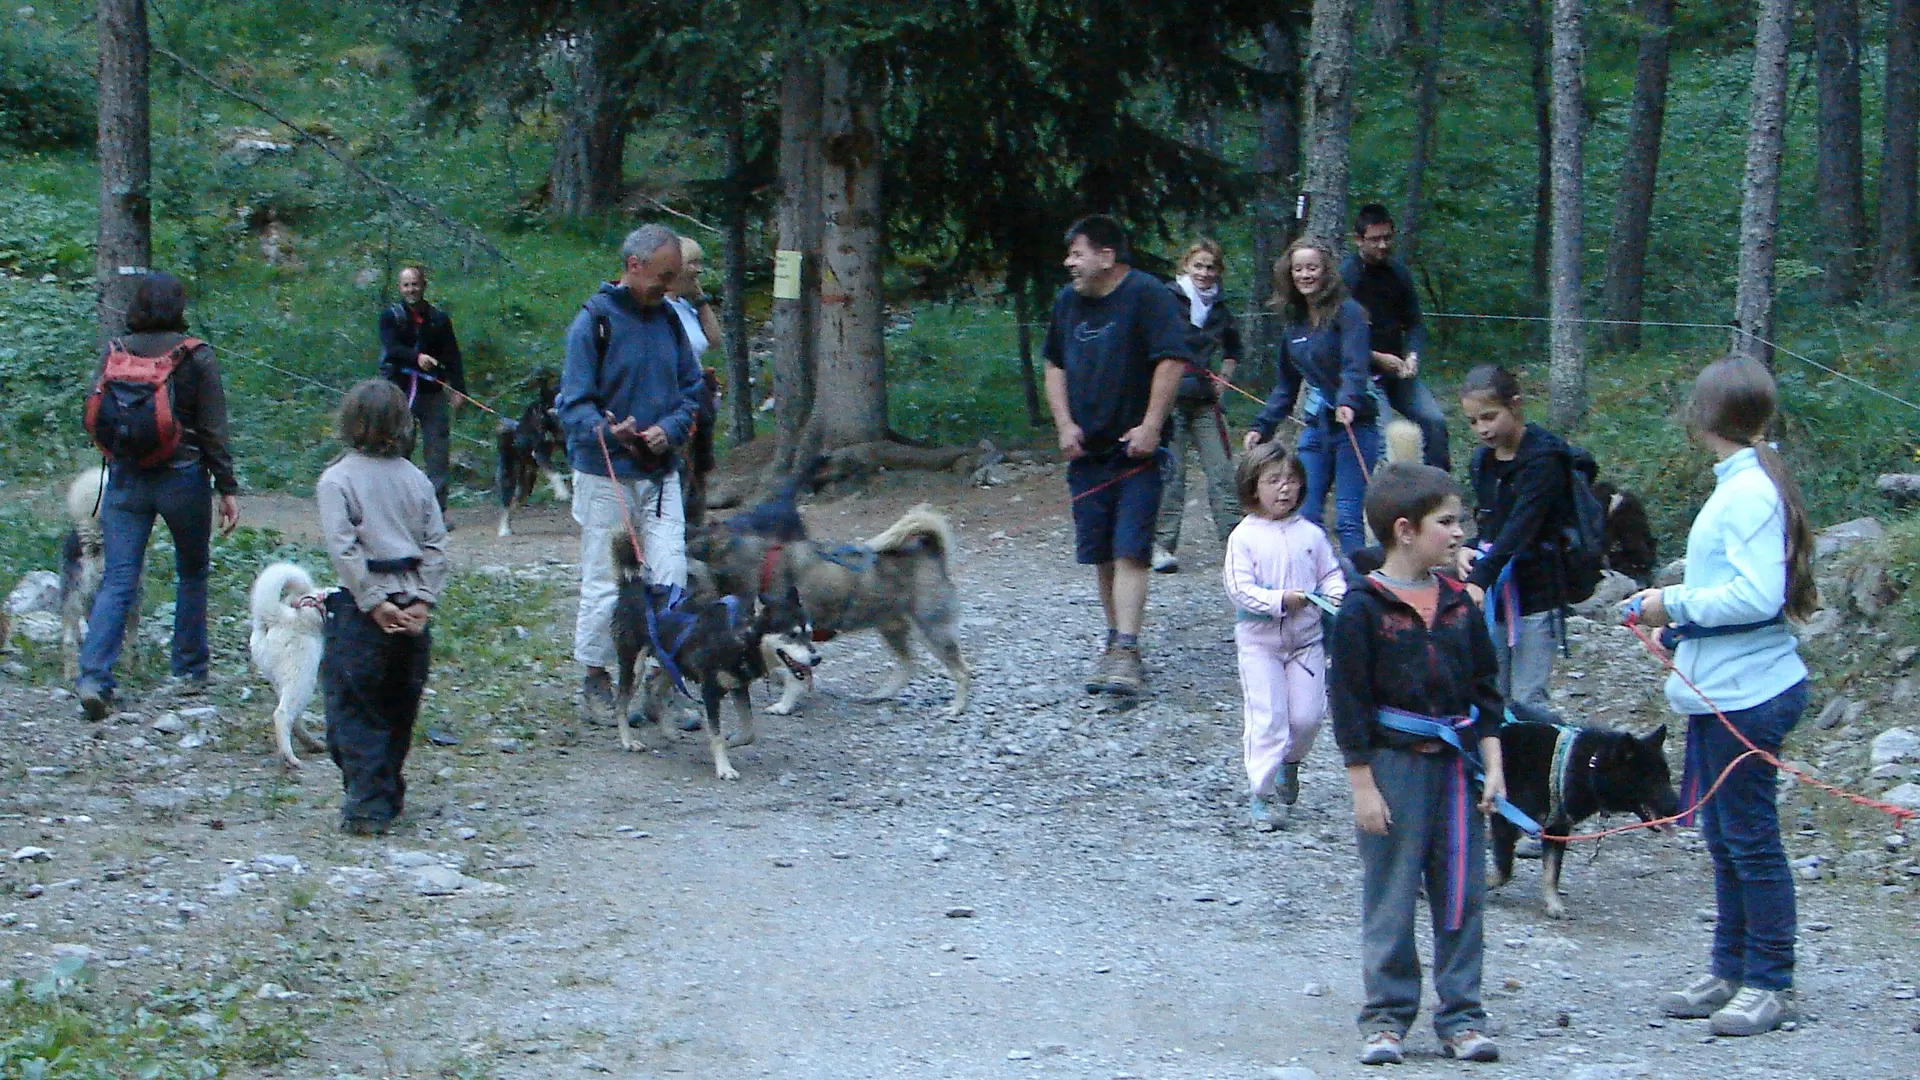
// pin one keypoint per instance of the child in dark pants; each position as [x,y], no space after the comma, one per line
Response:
[1416,713]
[387,542]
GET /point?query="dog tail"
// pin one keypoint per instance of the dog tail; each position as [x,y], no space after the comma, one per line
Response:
[83,501]
[1404,442]
[269,602]
[626,561]
[922,522]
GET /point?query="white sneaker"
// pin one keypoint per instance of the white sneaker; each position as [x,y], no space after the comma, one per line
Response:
[1164,561]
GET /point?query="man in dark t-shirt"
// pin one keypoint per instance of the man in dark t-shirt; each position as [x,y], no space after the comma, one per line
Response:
[1384,286]
[1115,351]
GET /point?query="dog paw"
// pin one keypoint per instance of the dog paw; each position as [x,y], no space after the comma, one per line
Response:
[1557,910]
[290,762]
[780,708]
[726,772]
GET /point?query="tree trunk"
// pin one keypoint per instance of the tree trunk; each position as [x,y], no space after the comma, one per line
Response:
[1543,143]
[1840,190]
[1760,194]
[851,356]
[1567,377]
[733,306]
[796,319]
[586,175]
[1392,23]
[124,244]
[1426,124]
[1639,176]
[1277,160]
[1021,293]
[1894,267]
[1330,78]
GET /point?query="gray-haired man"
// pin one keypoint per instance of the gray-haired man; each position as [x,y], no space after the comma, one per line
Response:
[628,394]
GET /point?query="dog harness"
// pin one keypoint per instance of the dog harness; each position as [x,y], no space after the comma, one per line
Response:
[1465,767]
[669,630]
[1557,777]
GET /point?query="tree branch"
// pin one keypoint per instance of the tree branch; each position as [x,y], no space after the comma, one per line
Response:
[392,191]
[685,217]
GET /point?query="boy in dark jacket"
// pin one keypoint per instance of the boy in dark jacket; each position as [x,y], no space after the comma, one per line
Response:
[1416,712]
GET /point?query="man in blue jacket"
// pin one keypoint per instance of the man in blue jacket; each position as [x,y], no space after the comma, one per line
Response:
[1384,286]
[628,394]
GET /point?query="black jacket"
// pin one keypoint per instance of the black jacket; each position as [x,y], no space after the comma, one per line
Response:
[1519,505]
[1392,302]
[1383,654]
[402,340]
[1207,345]
[199,403]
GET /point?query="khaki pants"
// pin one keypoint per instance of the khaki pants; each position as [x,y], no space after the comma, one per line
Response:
[1196,432]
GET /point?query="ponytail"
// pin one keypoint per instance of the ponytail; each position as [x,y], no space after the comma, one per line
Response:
[1803,597]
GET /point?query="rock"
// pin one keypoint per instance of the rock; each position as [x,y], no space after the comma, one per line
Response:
[83,953]
[506,746]
[1861,860]
[1825,621]
[1670,574]
[1845,536]
[39,627]
[959,913]
[412,860]
[1906,796]
[201,715]
[1019,1055]
[1314,989]
[939,851]
[1613,588]
[32,854]
[1872,591]
[1617,1070]
[194,740]
[38,590]
[1895,745]
[276,864]
[162,798]
[1903,656]
[437,880]
[274,992]
[1832,715]
[170,724]
[1894,841]
[1051,1049]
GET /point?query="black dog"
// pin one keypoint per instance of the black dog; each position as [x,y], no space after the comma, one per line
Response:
[708,640]
[778,519]
[527,448]
[1598,770]
[1630,545]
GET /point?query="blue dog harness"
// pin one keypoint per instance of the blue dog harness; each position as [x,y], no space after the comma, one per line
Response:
[669,629]
[1466,765]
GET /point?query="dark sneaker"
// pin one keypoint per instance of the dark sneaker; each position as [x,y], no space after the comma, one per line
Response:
[1754,1011]
[1699,999]
[1469,1045]
[1289,791]
[596,697]
[95,704]
[1381,1048]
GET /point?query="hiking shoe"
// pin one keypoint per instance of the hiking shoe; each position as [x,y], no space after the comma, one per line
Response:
[1262,813]
[95,704]
[1164,561]
[1469,1045]
[1699,999]
[1289,792]
[596,697]
[360,826]
[1528,847]
[1121,672]
[1754,1011]
[1381,1048]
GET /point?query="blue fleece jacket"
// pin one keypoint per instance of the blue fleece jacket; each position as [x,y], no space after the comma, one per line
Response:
[1736,573]
[1333,358]
[649,373]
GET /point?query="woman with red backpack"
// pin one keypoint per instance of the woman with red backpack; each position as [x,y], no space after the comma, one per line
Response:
[159,414]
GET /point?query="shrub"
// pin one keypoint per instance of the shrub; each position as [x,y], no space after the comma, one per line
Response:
[46,89]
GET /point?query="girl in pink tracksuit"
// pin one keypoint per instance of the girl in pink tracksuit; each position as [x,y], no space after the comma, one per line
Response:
[1275,558]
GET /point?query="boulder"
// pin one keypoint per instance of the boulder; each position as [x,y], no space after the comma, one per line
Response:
[1613,588]
[1906,796]
[1846,536]
[1671,574]
[1895,745]
[39,590]
[1872,591]
[39,627]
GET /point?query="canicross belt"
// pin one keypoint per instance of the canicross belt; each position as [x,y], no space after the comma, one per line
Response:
[1465,764]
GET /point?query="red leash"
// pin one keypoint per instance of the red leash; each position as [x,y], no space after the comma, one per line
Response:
[626,516]
[1053,508]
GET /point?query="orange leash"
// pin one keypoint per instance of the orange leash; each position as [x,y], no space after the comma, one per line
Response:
[1055,507]
[1366,475]
[626,516]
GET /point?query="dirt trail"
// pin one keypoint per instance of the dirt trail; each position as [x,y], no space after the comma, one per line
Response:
[1040,887]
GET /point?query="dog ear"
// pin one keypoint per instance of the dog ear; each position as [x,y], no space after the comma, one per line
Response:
[1656,738]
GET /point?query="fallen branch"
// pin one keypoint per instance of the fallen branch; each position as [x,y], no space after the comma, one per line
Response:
[392,191]
[684,217]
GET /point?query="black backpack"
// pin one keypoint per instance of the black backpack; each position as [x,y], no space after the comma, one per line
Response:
[1581,537]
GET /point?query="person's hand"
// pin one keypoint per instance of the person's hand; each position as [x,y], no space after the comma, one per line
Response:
[1410,365]
[416,615]
[1228,367]
[389,617]
[1344,415]
[656,439]
[229,514]
[1141,441]
[1493,789]
[1652,612]
[428,363]
[1387,363]
[625,430]
[1370,811]
[1465,559]
[1072,441]
[1250,440]
[1479,594]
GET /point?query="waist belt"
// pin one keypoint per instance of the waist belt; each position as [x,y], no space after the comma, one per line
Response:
[1466,764]
[1672,636]
[393,566]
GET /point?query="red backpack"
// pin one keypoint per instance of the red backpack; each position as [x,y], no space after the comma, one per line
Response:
[130,411]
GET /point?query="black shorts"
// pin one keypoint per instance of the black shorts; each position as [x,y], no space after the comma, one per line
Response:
[1115,506]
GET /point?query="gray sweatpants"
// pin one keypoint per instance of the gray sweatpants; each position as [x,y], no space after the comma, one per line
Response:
[1527,667]
[1394,866]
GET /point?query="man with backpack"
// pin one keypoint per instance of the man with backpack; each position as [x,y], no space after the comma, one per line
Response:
[158,412]
[420,354]
[628,396]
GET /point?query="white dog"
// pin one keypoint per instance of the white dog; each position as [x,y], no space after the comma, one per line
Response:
[288,633]
[83,562]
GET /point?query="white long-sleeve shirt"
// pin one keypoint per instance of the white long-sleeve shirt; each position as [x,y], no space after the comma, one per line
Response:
[1736,573]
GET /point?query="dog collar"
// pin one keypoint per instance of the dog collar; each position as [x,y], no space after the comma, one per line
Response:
[768,563]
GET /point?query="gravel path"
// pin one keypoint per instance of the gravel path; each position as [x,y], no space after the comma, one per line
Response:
[1040,887]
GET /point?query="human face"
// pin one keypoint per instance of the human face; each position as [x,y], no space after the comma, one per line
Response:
[1309,270]
[1435,542]
[1376,242]
[413,286]
[1496,423]
[693,263]
[651,278]
[1204,269]
[1278,490]
[1090,267]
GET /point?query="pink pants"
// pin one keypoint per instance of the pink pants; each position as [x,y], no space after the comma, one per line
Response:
[1284,694]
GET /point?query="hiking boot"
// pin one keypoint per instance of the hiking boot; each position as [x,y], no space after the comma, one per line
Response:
[1164,561]
[1264,813]
[1381,1048]
[1121,672]
[1754,1011]
[1289,791]
[1699,1000]
[1469,1045]
[96,704]
[596,697]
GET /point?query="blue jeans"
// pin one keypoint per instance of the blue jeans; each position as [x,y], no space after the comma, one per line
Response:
[1411,399]
[183,496]
[1330,462]
[1752,884]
